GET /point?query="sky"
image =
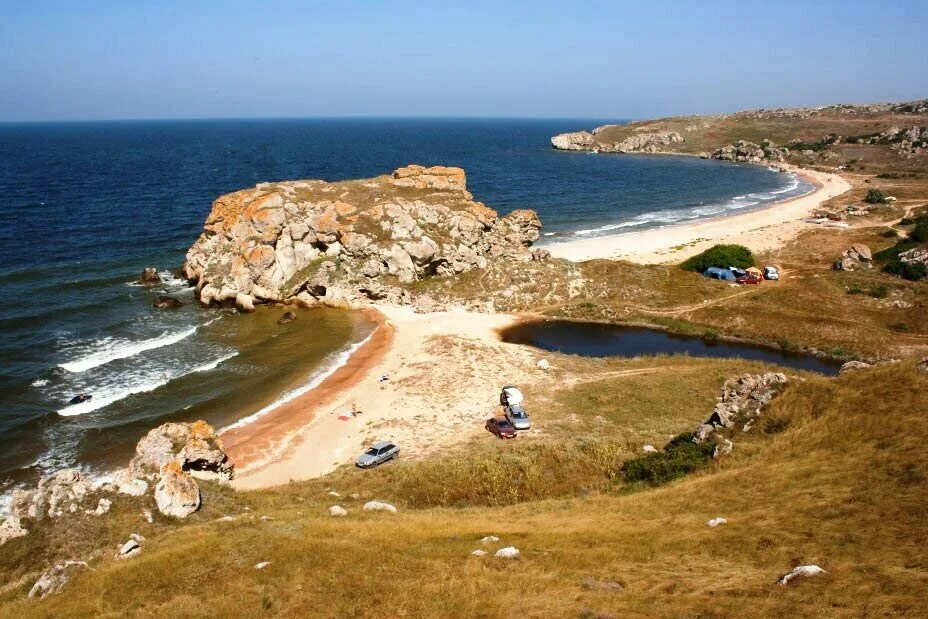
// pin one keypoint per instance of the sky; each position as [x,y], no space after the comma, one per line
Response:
[107,59]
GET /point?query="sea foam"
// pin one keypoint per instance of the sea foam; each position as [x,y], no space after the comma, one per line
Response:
[111,349]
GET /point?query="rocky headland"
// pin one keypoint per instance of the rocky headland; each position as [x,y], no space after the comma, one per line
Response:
[345,244]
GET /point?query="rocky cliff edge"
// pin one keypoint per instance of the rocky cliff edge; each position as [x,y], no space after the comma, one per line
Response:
[346,243]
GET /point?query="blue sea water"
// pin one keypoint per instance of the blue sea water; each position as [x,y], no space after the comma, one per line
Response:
[88,205]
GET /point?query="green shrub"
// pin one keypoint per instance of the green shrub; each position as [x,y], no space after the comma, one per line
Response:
[875,196]
[920,231]
[722,256]
[889,234]
[680,457]
[880,291]
[912,271]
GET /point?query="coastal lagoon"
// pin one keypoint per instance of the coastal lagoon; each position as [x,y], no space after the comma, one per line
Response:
[89,205]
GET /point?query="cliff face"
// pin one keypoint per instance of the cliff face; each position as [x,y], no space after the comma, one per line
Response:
[349,242]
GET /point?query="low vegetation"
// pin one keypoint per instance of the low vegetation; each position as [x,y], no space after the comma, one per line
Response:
[680,457]
[721,256]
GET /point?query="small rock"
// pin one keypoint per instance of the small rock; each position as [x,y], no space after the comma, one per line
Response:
[592,584]
[338,510]
[509,552]
[147,516]
[802,570]
[543,364]
[103,506]
[723,449]
[355,496]
[129,549]
[922,365]
[55,578]
[649,449]
[262,565]
[226,519]
[852,366]
[333,493]
[11,529]
[150,276]
[245,302]
[379,506]
[165,302]
[287,317]
[265,518]
[489,539]
[716,522]
[479,553]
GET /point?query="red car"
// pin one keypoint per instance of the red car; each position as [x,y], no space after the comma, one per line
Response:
[501,427]
[748,279]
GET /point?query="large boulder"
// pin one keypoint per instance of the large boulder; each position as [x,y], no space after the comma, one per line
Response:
[579,140]
[176,494]
[194,446]
[150,277]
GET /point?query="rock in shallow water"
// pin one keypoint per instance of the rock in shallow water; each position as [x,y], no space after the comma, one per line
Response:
[165,302]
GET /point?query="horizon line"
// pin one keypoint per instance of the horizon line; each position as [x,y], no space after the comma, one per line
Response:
[310,117]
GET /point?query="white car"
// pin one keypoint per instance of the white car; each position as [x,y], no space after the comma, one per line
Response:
[771,273]
[510,395]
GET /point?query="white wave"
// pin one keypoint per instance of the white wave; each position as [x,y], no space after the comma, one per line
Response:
[212,365]
[121,349]
[338,361]
[99,400]
[624,224]
[40,382]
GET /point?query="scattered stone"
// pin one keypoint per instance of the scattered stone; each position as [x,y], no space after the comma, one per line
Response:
[147,516]
[54,496]
[922,365]
[723,449]
[265,518]
[489,539]
[176,494]
[856,256]
[150,277]
[742,400]
[479,553]
[509,552]
[55,578]
[262,565]
[543,364]
[11,528]
[379,506]
[103,506]
[131,548]
[802,570]
[127,482]
[592,584]
[716,522]
[333,493]
[287,317]
[649,449]
[165,302]
[852,366]
[226,519]
[355,496]
[338,510]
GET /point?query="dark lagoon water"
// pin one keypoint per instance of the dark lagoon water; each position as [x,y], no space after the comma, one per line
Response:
[590,339]
[88,205]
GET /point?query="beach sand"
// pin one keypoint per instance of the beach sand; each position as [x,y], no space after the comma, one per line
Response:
[761,230]
[444,370]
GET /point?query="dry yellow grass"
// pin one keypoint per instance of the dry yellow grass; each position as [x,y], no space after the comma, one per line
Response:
[836,475]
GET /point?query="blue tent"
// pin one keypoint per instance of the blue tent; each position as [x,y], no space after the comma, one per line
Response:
[717,273]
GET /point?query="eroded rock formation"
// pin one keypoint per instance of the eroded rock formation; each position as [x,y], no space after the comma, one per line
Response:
[645,142]
[741,402]
[345,243]
[742,150]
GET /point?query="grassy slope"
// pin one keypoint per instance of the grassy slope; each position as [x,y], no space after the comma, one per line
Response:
[835,475]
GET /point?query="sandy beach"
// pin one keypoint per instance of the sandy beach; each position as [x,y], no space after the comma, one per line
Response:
[761,230]
[439,389]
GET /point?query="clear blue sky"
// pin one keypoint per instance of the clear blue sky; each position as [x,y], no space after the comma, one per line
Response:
[612,59]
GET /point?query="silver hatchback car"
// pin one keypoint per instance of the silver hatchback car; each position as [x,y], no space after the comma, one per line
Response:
[378,453]
[517,417]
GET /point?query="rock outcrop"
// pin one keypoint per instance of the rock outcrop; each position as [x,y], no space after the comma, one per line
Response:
[742,150]
[56,495]
[150,277]
[166,302]
[344,244]
[856,256]
[195,447]
[741,401]
[11,528]
[645,142]
[55,578]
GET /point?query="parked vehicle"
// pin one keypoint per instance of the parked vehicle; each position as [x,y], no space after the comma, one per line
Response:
[517,416]
[771,273]
[737,271]
[377,454]
[748,279]
[717,273]
[501,427]
[510,395]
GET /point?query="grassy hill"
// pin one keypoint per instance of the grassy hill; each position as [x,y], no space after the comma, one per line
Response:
[834,474]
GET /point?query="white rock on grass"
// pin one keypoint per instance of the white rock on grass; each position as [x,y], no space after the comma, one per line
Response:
[723,449]
[509,552]
[129,549]
[338,510]
[103,506]
[716,522]
[543,364]
[479,553]
[333,493]
[489,539]
[54,578]
[262,565]
[649,449]
[147,516]
[379,506]
[11,528]
[802,570]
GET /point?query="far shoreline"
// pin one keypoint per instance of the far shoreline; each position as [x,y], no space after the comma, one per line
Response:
[763,229]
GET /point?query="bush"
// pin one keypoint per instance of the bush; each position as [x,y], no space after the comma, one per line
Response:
[722,256]
[920,231]
[889,234]
[875,196]
[912,271]
[680,457]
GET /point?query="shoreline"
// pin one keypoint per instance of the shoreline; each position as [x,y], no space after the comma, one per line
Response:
[763,229]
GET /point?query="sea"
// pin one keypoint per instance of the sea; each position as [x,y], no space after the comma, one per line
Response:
[88,205]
